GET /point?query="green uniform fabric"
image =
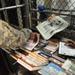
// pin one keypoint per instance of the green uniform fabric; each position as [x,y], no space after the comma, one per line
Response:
[11,37]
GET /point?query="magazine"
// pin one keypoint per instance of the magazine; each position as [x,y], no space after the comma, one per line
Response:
[62,72]
[32,42]
[66,50]
[42,43]
[69,66]
[59,63]
[50,69]
[50,48]
[48,28]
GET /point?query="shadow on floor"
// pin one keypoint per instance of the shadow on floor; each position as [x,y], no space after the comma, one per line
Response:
[3,70]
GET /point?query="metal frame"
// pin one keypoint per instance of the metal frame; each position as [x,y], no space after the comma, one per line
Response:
[12,7]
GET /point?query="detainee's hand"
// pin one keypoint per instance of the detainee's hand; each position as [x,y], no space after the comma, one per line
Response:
[51,16]
[70,43]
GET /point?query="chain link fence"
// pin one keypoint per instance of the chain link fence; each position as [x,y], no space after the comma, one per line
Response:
[63,8]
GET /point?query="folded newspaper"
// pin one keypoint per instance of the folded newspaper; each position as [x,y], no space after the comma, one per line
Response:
[50,27]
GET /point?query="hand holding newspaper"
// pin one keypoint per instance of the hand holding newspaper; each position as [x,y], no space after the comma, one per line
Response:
[53,25]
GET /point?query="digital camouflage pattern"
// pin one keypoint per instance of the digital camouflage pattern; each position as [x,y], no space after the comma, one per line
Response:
[11,37]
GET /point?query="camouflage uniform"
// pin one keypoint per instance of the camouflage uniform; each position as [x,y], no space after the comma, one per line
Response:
[10,37]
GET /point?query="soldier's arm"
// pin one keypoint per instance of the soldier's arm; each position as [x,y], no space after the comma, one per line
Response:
[11,37]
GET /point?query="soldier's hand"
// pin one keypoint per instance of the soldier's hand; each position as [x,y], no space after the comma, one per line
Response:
[34,37]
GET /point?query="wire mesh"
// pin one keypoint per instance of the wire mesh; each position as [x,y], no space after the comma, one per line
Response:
[63,8]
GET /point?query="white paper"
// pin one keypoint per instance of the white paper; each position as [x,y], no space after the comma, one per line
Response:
[66,50]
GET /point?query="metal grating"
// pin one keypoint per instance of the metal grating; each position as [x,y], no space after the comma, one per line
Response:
[63,8]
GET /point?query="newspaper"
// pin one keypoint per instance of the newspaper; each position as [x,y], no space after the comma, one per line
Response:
[48,28]
[66,50]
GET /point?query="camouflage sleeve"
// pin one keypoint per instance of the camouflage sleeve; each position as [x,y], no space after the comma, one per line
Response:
[11,37]
[25,34]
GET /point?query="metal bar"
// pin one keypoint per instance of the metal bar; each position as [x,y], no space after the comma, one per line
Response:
[19,15]
[12,7]
[27,13]
[53,12]
[36,10]
[32,4]
[5,12]
[37,19]
[30,1]
[30,21]
[61,10]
